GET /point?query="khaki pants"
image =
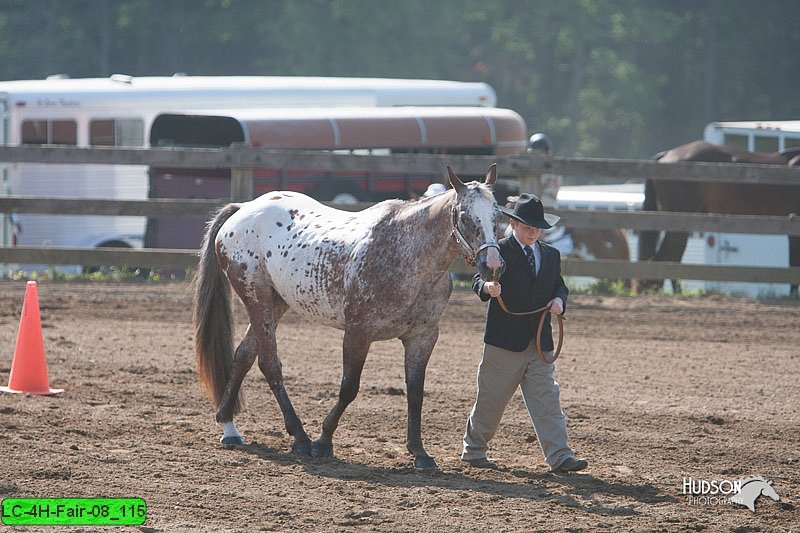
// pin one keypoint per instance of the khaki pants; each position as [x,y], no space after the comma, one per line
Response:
[499,374]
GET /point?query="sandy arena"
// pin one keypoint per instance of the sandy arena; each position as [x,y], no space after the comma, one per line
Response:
[656,389]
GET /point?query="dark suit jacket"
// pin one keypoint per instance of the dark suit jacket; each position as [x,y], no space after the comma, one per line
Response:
[521,292]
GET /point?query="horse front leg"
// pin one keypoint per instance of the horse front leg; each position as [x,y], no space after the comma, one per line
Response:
[243,360]
[418,351]
[355,347]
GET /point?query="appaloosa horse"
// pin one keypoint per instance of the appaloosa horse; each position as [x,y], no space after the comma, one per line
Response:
[722,198]
[378,274]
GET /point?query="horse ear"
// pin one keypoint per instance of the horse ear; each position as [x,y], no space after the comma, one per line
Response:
[457,184]
[491,176]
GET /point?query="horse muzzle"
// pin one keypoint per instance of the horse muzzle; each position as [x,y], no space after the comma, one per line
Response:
[490,263]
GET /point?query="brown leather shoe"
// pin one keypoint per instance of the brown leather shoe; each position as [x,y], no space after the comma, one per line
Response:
[483,462]
[571,464]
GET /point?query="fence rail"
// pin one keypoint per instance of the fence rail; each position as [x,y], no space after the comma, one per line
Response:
[157,207]
[243,160]
[127,257]
[403,163]
[576,218]
[183,259]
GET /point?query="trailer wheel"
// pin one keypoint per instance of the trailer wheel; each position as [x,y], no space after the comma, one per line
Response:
[344,193]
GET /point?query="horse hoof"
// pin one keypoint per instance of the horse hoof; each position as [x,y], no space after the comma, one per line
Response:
[232,441]
[320,450]
[425,462]
[302,448]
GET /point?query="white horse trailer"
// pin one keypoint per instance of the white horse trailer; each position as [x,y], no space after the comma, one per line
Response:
[119,110]
[745,249]
[755,136]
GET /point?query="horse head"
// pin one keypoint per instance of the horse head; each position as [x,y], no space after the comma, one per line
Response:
[475,220]
[750,489]
[768,490]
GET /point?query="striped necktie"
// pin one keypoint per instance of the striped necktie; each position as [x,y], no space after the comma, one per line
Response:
[531,259]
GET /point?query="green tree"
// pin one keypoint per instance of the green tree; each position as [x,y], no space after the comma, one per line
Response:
[615,78]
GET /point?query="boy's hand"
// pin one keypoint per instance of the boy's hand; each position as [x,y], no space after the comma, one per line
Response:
[492,288]
[556,306]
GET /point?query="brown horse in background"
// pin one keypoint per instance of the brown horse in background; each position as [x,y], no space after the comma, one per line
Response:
[600,243]
[720,198]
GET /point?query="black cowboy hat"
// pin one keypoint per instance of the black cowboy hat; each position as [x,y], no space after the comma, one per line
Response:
[529,210]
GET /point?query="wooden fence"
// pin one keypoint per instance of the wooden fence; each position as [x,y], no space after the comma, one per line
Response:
[243,160]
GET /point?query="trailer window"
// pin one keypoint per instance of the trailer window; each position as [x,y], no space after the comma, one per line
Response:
[737,141]
[50,132]
[34,132]
[789,142]
[765,144]
[116,132]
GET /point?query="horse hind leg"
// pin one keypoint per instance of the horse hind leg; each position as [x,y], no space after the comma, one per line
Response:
[264,319]
[243,360]
[355,347]
[672,248]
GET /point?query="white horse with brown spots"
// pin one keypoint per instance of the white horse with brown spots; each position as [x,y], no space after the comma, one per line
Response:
[378,274]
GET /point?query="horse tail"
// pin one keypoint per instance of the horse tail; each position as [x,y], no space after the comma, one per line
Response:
[212,315]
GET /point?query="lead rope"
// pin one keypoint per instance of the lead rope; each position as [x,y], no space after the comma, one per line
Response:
[544,310]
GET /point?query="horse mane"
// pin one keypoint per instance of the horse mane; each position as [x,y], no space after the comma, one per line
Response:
[750,479]
[396,208]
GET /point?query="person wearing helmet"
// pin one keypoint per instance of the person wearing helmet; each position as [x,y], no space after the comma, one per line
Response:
[545,186]
[539,142]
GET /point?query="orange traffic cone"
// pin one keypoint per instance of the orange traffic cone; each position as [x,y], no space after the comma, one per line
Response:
[29,368]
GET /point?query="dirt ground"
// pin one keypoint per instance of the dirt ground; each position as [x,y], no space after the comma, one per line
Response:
[656,389]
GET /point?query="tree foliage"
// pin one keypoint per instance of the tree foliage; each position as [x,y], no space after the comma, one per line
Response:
[614,78]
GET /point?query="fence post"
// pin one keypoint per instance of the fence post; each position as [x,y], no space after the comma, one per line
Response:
[545,186]
[241,184]
[241,178]
[531,184]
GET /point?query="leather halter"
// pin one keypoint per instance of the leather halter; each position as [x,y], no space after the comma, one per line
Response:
[466,250]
